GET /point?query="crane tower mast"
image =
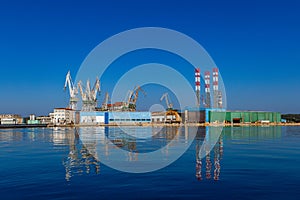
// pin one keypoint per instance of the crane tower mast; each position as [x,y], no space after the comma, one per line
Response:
[72,91]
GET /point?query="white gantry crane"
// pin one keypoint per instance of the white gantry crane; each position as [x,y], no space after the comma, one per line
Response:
[127,98]
[105,102]
[96,89]
[132,97]
[82,93]
[72,90]
[166,97]
[89,96]
[171,115]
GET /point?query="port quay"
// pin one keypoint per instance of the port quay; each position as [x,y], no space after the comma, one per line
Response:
[125,113]
[151,99]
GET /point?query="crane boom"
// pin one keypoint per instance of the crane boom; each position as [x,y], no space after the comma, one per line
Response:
[69,82]
[171,115]
[166,97]
[89,95]
[95,90]
[129,96]
[105,102]
[72,90]
[82,93]
[136,94]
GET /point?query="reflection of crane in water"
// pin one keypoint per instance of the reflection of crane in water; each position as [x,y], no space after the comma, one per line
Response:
[201,139]
[120,139]
[79,159]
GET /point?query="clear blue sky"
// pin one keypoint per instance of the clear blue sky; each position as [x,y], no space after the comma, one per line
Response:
[255,44]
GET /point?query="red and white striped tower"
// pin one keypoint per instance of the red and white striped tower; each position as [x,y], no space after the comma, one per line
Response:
[215,87]
[217,94]
[215,79]
[207,82]
[207,88]
[197,85]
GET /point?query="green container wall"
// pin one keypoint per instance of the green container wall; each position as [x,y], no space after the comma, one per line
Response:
[254,117]
[271,117]
[245,117]
[278,117]
[228,116]
[235,115]
[217,116]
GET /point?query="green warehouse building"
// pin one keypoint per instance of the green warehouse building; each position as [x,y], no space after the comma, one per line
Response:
[243,116]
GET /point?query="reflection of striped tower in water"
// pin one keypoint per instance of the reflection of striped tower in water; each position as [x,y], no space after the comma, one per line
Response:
[217,161]
[207,158]
[198,162]
[217,155]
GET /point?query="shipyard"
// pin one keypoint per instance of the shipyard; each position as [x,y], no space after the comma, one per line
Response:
[168,100]
[124,113]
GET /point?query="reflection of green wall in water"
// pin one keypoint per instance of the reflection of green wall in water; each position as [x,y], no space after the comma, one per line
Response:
[244,116]
[252,133]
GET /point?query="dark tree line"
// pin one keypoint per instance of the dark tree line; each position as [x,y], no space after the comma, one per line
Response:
[291,117]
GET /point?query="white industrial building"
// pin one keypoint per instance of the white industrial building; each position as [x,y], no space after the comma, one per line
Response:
[93,117]
[10,119]
[98,117]
[63,116]
[158,117]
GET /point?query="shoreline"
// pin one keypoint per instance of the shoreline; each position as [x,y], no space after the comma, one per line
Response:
[8,126]
[13,126]
[178,125]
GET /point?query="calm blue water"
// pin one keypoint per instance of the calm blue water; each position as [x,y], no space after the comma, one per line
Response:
[246,163]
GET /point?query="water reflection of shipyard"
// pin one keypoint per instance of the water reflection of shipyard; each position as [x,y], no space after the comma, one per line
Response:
[83,158]
[211,162]
[79,160]
[139,139]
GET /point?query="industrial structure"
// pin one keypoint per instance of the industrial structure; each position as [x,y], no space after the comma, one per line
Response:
[72,91]
[217,98]
[209,107]
[210,100]
[63,116]
[171,115]
[244,117]
[230,117]
[207,90]
[213,107]
[10,119]
[131,99]
[197,85]
[105,102]
[98,117]
[89,96]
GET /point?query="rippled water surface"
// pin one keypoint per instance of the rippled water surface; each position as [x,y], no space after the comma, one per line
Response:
[245,163]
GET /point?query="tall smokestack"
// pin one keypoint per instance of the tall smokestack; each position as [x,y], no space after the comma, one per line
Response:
[207,89]
[217,93]
[197,85]
[215,87]
[215,79]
